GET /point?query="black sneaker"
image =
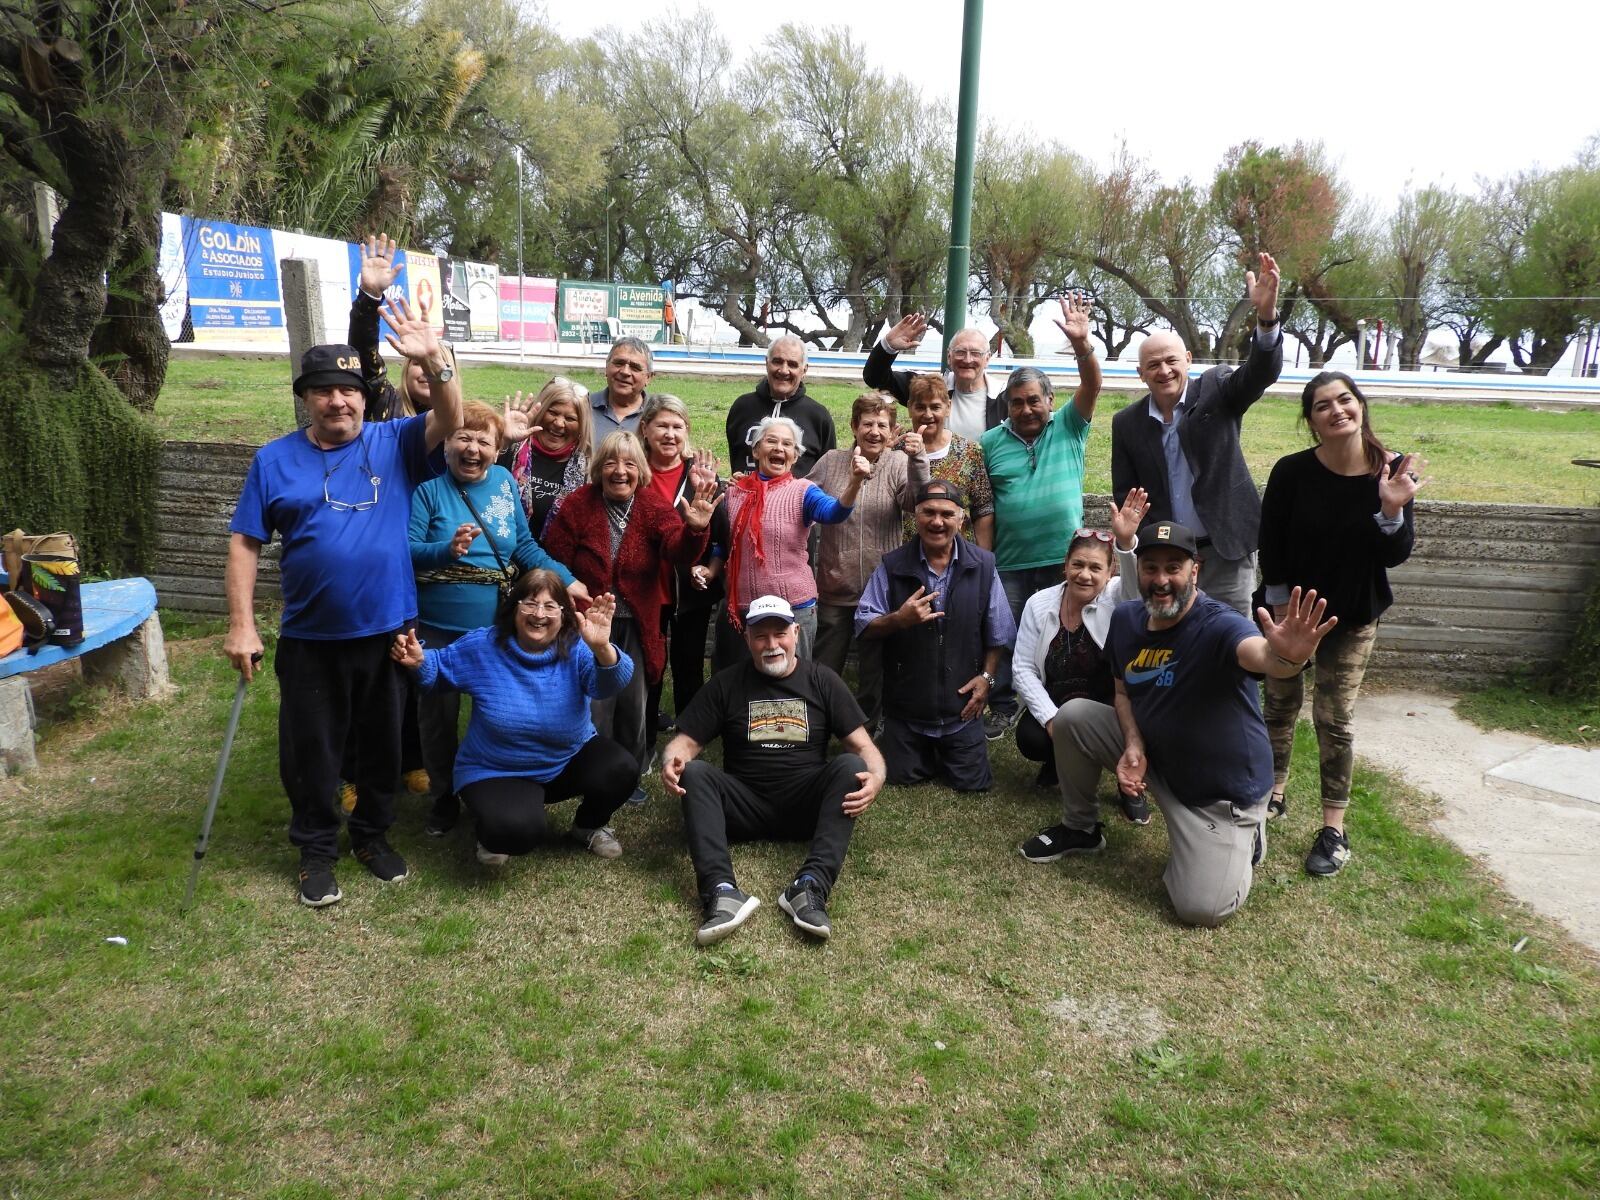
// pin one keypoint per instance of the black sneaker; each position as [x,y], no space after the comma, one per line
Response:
[639,796]
[1329,852]
[1135,808]
[318,887]
[382,859]
[1059,841]
[443,815]
[1277,805]
[805,905]
[729,908]
[996,722]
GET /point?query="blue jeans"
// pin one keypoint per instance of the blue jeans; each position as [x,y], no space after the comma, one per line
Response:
[1020,587]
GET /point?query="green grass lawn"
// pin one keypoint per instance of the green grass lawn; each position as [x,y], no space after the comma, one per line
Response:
[1499,454]
[978,1026]
[1528,706]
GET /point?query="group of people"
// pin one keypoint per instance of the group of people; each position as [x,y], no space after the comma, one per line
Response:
[555,557]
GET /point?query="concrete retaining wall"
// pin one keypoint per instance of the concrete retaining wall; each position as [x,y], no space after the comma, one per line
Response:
[1489,588]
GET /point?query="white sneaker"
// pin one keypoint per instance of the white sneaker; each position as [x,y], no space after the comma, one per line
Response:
[490,859]
[602,842]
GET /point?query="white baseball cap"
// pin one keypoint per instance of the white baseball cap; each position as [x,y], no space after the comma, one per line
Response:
[764,608]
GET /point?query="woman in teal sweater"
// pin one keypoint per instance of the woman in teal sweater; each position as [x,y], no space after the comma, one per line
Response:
[469,534]
[530,741]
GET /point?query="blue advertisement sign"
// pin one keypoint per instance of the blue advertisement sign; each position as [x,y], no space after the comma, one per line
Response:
[233,279]
[400,287]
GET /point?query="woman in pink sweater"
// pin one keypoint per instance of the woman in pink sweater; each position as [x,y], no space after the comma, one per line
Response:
[770,514]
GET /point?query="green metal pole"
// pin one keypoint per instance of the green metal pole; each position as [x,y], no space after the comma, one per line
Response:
[955,287]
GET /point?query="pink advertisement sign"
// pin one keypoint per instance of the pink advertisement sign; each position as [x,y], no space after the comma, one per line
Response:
[537,302]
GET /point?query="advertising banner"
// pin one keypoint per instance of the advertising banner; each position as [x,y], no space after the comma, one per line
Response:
[642,311]
[333,271]
[456,309]
[422,285]
[483,297]
[233,281]
[536,300]
[584,309]
[174,280]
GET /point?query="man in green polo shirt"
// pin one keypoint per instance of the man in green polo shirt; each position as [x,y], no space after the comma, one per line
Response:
[1035,463]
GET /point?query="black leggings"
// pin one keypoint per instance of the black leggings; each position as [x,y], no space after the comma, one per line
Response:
[510,808]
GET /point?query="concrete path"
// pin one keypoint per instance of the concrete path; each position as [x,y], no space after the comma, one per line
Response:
[1528,810]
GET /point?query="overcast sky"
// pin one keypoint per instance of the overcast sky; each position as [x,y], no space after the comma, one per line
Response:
[1399,92]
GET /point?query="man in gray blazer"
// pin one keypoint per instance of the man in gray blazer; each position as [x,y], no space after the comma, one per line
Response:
[1181,444]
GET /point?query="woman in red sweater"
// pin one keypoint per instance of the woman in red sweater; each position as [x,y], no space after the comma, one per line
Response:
[614,533]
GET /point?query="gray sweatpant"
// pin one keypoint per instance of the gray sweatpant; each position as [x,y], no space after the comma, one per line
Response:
[1208,874]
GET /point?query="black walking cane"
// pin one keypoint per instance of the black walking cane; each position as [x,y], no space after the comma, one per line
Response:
[216,785]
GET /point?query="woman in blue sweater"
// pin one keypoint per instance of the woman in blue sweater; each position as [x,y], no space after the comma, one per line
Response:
[1335,518]
[530,742]
[469,535]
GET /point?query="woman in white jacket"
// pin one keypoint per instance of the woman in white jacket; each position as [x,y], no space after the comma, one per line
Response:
[1059,653]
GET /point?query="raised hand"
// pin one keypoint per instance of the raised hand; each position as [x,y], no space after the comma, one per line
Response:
[413,337]
[378,268]
[916,442]
[1125,521]
[1262,289]
[704,503]
[1074,320]
[461,540]
[594,623]
[705,468]
[516,416]
[1396,488]
[860,468]
[920,608]
[406,650]
[907,333]
[1296,637]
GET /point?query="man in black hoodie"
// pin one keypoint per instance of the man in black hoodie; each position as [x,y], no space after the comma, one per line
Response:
[781,394]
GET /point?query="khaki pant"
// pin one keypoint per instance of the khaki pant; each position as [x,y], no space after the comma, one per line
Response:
[1213,845]
[1341,664]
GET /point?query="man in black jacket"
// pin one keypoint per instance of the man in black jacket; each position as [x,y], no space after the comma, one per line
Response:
[1181,444]
[781,394]
[938,605]
[972,409]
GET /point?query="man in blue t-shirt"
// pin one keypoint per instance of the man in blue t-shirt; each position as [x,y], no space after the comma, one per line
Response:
[1186,725]
[338,495]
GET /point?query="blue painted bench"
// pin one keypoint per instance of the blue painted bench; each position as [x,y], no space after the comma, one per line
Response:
[122,644]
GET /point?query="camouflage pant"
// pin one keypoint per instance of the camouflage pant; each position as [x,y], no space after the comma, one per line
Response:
[1341,663]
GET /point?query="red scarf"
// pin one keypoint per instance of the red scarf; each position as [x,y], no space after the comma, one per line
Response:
[747,532]
[530,444]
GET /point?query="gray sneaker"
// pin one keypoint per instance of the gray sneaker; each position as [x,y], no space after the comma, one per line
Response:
[492,858]
[602,842]
[807,909]
[728,910]
[996,722]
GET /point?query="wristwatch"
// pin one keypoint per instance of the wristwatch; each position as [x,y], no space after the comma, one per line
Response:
[448,371]
[987,678]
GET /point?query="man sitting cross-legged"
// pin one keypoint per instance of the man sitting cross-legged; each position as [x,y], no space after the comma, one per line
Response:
[775,714]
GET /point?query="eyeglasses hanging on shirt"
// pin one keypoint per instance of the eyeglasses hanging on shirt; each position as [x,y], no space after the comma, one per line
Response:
[348,505]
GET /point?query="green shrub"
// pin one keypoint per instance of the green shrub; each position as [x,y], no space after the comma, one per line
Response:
[1579,672]
[80,460]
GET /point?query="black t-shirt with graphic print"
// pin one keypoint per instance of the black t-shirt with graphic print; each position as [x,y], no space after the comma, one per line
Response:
[772,728]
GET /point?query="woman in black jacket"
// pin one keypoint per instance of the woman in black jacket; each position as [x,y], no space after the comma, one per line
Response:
[1334,519]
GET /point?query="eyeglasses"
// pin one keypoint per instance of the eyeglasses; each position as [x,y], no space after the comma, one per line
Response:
[1098,535]
[346,505]
[539,606]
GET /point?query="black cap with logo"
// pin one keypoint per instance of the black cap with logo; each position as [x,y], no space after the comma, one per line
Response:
[328,366]
[1167,533]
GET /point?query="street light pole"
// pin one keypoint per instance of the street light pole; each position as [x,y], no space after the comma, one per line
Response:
[609,203]
[522,312]
[955,285]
